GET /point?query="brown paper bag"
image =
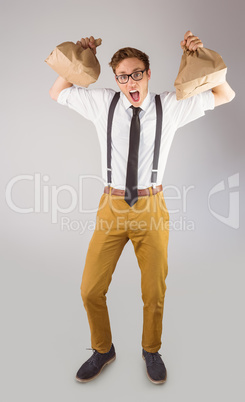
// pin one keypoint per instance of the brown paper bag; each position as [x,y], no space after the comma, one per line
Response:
[75,64]
[200,70]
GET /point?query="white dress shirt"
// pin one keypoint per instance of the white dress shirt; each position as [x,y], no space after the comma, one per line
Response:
[93,104]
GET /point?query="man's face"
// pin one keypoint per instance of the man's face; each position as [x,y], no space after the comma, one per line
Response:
[129,66]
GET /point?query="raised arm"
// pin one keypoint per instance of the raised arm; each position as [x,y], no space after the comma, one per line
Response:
[222,93]
[60,82]
[58,86]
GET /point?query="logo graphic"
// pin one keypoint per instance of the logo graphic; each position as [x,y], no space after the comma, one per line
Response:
[232,219]
[47,198]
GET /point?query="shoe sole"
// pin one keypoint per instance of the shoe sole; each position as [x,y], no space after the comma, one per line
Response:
[92,378]
[151,379]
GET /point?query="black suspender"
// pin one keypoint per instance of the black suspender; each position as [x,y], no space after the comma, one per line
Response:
[157,137]
[109,125]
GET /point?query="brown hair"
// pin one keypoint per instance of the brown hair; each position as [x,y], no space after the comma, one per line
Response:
[126,53]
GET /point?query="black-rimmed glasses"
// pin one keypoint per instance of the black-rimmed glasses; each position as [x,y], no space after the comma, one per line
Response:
[136,76]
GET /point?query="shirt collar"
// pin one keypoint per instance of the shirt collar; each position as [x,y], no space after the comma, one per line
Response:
[144,105]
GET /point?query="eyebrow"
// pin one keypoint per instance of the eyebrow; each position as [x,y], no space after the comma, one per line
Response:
[135,69]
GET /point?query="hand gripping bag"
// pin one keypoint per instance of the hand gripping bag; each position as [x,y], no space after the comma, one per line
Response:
[75,64]
[200,70]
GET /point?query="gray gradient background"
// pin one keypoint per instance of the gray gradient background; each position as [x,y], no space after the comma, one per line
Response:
[44,329]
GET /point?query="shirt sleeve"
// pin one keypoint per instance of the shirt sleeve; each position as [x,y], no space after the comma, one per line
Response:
[182,112]
[90,103]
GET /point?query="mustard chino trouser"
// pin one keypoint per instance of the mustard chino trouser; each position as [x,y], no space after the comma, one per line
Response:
[146,224]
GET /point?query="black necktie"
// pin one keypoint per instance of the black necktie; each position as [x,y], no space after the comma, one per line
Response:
[131,190]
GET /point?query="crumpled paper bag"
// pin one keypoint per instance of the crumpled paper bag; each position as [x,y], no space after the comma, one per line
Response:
[200,70]
[75,64]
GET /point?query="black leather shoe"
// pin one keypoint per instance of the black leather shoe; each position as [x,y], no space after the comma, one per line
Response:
[156,370]
[94,365]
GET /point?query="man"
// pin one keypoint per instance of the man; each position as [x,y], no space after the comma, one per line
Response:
[132,205]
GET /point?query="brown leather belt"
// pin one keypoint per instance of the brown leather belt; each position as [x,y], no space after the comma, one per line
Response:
[141,193]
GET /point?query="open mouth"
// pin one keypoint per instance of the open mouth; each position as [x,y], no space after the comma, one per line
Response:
[135,95]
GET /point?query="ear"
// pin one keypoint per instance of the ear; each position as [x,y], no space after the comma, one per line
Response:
[149,73]
[116,80]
